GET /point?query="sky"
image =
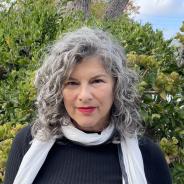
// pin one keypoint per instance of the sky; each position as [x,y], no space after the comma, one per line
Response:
[165,15]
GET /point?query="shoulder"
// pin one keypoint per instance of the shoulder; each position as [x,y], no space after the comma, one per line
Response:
[23,138]
[155,165]
[24,133]
[150,151]
[19,147]
[148,146]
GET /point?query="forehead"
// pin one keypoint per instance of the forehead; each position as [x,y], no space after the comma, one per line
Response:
[92,64]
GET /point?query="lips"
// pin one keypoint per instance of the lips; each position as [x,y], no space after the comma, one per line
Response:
[86,109]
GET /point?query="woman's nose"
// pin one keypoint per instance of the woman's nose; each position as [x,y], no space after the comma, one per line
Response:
[85,93]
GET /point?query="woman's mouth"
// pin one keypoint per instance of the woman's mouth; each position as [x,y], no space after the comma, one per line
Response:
[86,110]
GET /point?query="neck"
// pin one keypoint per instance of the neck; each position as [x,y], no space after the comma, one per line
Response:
[91,132]
[90,129]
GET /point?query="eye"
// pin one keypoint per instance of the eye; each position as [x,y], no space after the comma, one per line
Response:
[71,83]
[98,81]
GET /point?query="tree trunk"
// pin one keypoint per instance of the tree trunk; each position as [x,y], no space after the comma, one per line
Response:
[83,5]
[115,9]
[85,8]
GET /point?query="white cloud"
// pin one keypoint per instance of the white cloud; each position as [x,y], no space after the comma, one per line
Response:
[165,15]
[169,8]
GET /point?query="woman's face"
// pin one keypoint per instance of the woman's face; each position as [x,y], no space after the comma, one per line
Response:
[88,95]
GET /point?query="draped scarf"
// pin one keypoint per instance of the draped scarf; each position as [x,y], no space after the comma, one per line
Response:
[130,156]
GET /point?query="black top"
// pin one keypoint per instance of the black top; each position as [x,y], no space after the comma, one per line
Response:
[70,163]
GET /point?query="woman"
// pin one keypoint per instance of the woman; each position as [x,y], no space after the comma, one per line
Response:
[88,127]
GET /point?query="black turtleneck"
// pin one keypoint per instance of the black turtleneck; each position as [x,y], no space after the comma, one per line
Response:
[70,163]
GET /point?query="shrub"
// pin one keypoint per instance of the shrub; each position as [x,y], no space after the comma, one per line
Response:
[25,31]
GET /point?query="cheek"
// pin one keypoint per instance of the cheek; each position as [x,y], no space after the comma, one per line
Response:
[69,105]
[68,99]
[106,97]
[110,97]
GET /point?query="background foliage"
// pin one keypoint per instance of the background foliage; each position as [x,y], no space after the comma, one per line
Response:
[27,27]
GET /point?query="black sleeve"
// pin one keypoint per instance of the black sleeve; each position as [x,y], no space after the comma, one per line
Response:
[19,147]
[155,165]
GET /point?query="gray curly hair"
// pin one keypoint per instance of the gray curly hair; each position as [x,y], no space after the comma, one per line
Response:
[56,68]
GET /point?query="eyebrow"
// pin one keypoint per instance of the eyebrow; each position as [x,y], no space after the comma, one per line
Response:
[100,75]
[96,76]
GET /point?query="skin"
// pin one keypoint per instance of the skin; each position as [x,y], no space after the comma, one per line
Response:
[88,95]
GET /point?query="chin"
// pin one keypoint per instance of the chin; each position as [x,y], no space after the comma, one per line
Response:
[86,126]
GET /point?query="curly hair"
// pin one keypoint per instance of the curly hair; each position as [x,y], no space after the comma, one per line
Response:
[62,57]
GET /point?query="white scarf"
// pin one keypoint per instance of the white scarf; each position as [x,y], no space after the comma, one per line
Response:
[37,153]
